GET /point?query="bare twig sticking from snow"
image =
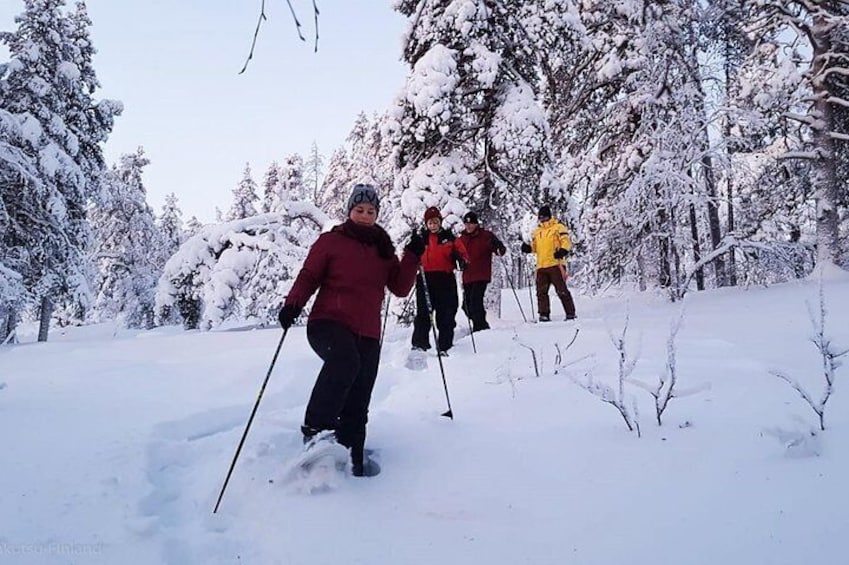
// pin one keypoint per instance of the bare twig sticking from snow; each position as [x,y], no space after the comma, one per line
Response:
[559,362]
[665,389]
[830,362]
[605,392]
[504,371]
[529,348]
[558,359]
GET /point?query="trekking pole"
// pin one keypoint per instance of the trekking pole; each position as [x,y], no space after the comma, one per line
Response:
[532,283]
[469,318]
[250,420]
[385,317]
[512,287]
[472,334]
[430,315]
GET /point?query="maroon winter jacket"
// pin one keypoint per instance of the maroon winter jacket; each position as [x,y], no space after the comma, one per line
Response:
[351,266]
[481,245]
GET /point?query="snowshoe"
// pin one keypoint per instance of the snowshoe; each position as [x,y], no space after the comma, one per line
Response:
[416,360]
[319,467]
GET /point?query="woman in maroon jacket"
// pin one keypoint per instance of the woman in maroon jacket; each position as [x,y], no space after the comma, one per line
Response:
[481,244]
[350,266]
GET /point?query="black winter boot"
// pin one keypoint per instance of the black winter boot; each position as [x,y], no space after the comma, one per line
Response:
[309,433]
[357,461]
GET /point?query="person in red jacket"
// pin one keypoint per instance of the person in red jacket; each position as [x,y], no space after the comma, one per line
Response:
[350,266]
[481,244]
[442,252]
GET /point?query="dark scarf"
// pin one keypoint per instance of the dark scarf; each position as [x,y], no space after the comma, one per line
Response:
[369,235]
[442,236]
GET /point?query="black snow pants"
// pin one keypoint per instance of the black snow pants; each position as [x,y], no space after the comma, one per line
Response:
[342,392]
[442,289]
[473,306]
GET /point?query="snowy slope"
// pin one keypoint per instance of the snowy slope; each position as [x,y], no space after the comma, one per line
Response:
[116,445]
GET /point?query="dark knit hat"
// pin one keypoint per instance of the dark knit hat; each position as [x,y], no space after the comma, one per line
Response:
[544,212]
[470,218]
[432,212]
[363,194]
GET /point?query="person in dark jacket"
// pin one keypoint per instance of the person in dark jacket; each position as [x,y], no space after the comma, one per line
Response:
[481,244]
[442,253]
[350,266]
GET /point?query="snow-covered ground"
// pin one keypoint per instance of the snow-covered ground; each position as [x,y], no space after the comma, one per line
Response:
[115,445]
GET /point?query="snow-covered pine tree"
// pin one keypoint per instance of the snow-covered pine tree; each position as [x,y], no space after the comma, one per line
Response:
[468,125]
[192,227]
[239,270]
[170,223]
[336,184]
[12,290]
[292,178]
[313,173]
[271,188]
[50,82]
[244,197]
[19,187]
[130,250]
[88,120]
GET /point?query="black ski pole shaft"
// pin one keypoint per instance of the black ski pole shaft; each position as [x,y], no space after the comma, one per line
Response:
[385,317]
[472,334]
[532,285]
[430,315]
[250,420]
[469,318]
[512,287]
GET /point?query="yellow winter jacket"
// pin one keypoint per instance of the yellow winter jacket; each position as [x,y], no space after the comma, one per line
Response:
[548,238]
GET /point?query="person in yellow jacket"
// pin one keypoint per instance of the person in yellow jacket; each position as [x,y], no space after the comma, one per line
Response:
[551,244]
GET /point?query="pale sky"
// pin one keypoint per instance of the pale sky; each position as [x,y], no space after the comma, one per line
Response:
[174,64]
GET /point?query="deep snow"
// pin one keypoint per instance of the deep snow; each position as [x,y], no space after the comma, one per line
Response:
[116,444]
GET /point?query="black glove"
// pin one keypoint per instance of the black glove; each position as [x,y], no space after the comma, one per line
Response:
[416,244]
[288,314]
[526,248]
[459,261]
[561,253]
[497,246]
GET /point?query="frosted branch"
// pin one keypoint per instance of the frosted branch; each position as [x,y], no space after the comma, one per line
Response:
[830,361]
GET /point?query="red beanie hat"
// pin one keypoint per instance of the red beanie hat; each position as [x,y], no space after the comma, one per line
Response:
[432,212]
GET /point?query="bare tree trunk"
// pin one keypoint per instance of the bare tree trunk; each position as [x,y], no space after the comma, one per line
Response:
[824,179]
[697,251]
[45,313]
[4,329]
[714,227]
[713,220]
[6,315]
[732,260]
[664,268]
[732,51]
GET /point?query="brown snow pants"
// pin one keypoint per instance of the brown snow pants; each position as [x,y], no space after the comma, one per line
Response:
[552,276]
